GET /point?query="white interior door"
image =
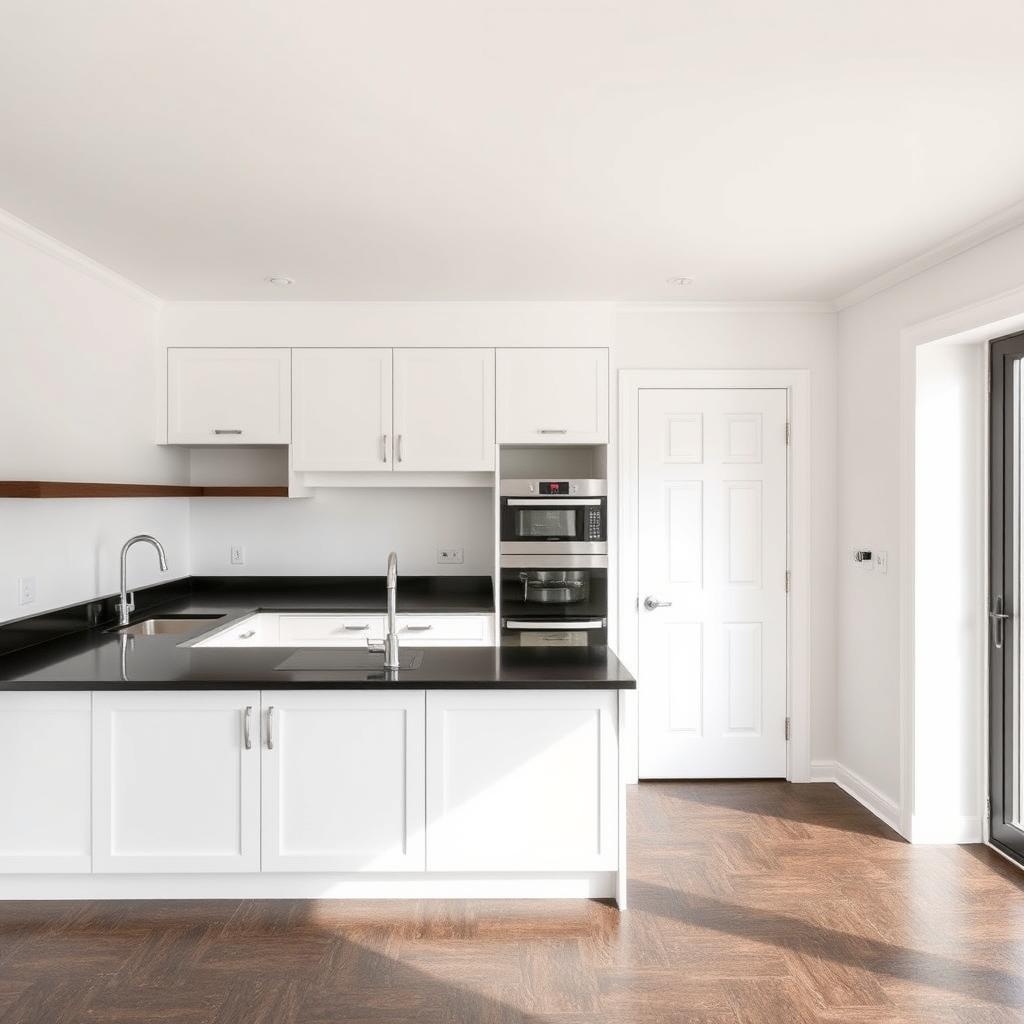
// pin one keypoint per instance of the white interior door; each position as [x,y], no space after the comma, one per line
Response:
[712,553]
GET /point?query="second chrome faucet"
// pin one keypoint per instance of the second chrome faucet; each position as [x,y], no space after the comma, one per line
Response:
[390,646]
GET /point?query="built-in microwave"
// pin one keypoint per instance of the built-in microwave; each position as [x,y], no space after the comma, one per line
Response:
[554,517]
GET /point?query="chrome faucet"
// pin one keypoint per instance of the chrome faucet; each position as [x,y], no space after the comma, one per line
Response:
[390,645]
[127,603]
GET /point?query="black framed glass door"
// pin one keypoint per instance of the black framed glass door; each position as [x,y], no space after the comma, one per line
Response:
[1005,749]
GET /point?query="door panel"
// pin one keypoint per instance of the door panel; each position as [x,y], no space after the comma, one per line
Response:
[444,409]
[713,536]
[342,409]
[228,396]
[45,759]
[343,781]
[176,787]
[1005,746]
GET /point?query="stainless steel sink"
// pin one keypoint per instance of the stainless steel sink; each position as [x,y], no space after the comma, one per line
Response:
[166,627]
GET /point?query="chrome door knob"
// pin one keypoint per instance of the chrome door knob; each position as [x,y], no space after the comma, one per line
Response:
[651,603]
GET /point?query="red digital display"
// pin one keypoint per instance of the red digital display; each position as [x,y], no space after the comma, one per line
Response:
[554,486]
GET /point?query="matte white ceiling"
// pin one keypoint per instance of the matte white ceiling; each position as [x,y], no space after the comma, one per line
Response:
[532,149]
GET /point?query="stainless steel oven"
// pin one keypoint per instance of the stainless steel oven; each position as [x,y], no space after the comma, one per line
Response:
[554,517]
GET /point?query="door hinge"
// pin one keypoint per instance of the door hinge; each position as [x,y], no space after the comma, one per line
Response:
[787,728]
[789,433]
[788,580]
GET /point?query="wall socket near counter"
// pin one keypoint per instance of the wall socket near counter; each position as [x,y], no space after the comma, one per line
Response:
[237,554]
[450,556]
[26,589]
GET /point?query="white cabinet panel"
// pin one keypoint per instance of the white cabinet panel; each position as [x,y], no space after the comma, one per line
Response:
[446,630]
[444,409]
[329,630]
[343,781]
[342,409]
[45,756]
[523,781]
[552,395]
[175,787]
[228,396]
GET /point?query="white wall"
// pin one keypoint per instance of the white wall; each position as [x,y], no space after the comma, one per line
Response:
[949,568]
[77,356]
[869,489]
[345,532]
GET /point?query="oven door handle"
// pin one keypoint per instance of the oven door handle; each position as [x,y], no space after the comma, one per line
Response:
[556,625]
[553,502]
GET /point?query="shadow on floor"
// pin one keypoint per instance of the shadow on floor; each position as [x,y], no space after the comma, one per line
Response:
[802,937]
[778,799]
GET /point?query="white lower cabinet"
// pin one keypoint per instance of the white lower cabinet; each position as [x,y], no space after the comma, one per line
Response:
[45,754]
[343,780]
[176,781]
[522,780]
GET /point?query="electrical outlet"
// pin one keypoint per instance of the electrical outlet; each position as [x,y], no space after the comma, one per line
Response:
[450,556]
[26,589]
[237,554]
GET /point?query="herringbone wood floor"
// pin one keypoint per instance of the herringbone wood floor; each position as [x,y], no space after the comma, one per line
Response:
[751,902]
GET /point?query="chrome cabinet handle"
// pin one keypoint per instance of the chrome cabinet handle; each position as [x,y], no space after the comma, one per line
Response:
[247,634]
[216,431]
[550,431]
[355,628]
[417,629]
[383,447]
[247,721]
[398,447]
[998,617]
[270,727]
[651,603]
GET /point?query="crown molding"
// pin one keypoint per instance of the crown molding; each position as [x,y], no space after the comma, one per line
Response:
[711,306]
[991,227]
[19,229]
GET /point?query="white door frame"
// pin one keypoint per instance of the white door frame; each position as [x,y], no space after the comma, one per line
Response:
[798,641]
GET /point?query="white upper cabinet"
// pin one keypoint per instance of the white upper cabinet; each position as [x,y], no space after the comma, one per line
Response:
[228,396]
[342,401]
[444,409]
[552,395]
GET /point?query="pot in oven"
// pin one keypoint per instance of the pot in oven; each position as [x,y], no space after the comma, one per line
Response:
[555,586]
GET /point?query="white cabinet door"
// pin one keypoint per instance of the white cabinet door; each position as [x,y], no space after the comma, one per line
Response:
[342,409]
[444,409]
[343,780]
[176,781]
[552,395]
[228,396]
[329,630]
[415,630]
[522,780]
[45,756]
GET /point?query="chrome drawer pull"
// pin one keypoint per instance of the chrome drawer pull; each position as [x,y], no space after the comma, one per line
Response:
[216,431]
[246,635]
[270,727]
[543,431]
[355,628]
[248,727]
[417,629]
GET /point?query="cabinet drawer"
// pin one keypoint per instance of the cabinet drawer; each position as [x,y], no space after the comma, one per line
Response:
[454,630]
[330,630]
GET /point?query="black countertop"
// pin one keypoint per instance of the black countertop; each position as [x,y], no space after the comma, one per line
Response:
[97,659]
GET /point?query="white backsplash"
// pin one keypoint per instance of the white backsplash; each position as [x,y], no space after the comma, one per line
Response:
[345,531]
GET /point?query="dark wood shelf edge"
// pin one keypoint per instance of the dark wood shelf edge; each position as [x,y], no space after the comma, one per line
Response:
[66,489]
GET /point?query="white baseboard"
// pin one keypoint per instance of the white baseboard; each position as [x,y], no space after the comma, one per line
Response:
[881,806]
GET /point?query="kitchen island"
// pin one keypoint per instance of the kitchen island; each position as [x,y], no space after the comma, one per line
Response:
[169,766]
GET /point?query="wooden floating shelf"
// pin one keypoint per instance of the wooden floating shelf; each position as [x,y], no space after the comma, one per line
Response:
[65,489]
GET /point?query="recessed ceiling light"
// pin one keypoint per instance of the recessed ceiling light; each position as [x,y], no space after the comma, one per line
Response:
[679,282]
[281,282]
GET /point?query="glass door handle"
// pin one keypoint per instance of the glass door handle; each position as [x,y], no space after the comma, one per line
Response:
[998,617]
